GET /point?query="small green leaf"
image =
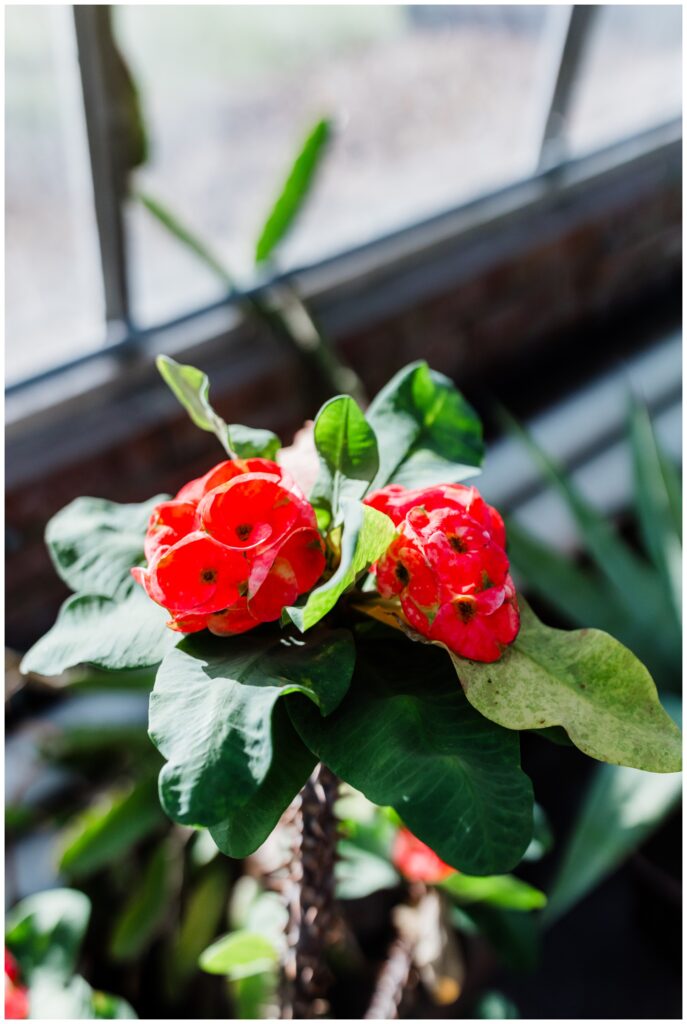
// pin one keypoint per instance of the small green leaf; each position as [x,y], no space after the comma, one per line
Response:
[102,834]
[239,955]
[45,932]
[253,443]
[359,872]
[583,680]
[93,544]
[144,912]
[192,389]
[426,431]
[348,454]
[367,534]
[295,191]
[621,808]
[406,737]
[211,713]
[125,634]
[500,890]
[495,1006]
[109,1007]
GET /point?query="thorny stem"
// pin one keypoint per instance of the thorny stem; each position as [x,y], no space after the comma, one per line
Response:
[304,876]
[393,981]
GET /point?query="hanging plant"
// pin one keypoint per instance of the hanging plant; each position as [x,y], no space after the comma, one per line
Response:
[372,626]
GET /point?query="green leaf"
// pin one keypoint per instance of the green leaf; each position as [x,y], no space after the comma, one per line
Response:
[109,1007]
[146,909]
[359,872]
[186,236]
[347,450]
[93,544]
[125,634]
[654,508]
[621,808]
[406,737]
[212,707]
[500,890]
[628,574]
[367,534]
[191,387]
[673,486]
[204,909]
[104,833]
[295,191]
[252,442]
[239,955]
[250,824]
[426,431]
[583,680]
[495,1006]
[514,936]
[45,932]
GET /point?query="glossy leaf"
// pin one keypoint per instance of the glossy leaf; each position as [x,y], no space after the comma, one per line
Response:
[239,955]
[45,931]
[146,908]
[406,737]
[252,442]
[347,450]
[211,713]
[621,808]
[125,634]
[426,431]
[93,544]
[367,534]
[583,680]
[248,826]
[103,833]
[295,191]
[499,890]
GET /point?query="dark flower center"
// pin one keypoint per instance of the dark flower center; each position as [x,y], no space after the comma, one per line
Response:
[208,575]
[458,545]
[466,610]
[243,531]
[402,574]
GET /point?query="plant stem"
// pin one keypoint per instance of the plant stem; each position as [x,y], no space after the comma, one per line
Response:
[393,982]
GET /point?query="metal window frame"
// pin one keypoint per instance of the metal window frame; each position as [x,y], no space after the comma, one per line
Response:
[127,344]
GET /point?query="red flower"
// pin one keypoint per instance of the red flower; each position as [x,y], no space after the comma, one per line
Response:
[449,569]
[416,861]
[16,995]
[232,549]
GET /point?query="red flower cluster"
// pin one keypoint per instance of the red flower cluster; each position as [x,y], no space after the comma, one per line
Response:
[16,995]
[448,565]
[232,549]
[416,861]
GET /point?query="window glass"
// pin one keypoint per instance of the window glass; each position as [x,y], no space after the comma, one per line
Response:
[53,290]
[433,106]
[630,76]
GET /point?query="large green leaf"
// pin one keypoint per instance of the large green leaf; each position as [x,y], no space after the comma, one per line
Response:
[347,449]
[500,890]
[621,808]
[107,831]
[583,680]
[295,190]
[94,543]
[111,634]
[406,737]
[45,931]
[426,431]
[146,908]
[249,825]
[253,442]
[212,707]
[367,534]
[654,508]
